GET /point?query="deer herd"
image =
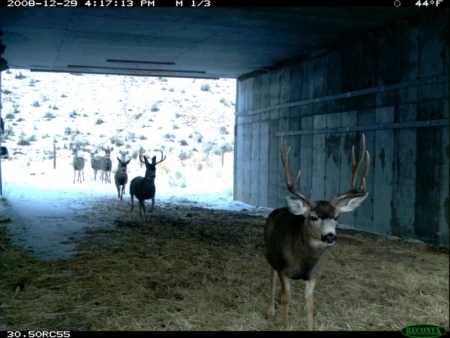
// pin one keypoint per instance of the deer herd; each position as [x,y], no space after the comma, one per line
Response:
[296,237]
[141,187]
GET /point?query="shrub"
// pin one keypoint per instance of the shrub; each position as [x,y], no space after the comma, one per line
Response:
[10,116]
[227,147]
[185,155]
[32,83]
[6,91]
[117,141]
[20,76]
[225,101]
[196,136]
[131,136]
[63,95]
[36,104]
[99,121]
[183,143]
[73,114]
[24,140]
[155,107]
[209,146]
[205,87]
[169,136]
[135,154]
[223,130]
[177,180]
[49,115]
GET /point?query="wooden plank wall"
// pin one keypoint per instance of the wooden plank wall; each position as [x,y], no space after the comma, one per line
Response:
[409,172]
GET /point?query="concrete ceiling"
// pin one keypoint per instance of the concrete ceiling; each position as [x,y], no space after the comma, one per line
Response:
[181,42]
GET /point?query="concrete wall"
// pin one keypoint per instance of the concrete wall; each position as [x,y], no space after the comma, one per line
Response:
[395,89]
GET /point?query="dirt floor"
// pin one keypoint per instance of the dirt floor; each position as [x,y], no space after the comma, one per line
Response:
[191,268]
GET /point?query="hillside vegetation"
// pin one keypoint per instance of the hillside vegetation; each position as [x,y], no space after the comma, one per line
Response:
[191,121]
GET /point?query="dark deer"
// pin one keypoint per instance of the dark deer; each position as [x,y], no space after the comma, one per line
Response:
[297,237]
[121,177]
[107,165]
[78,165]
[144,187]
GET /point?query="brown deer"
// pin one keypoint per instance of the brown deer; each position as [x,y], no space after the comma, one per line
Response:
[297,237]
[78,165]
[121,176]
[144,187]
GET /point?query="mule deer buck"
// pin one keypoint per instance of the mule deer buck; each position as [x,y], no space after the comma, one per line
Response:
[107,165]
[297,236]
[144,187]
[121,177]
[78,165]
[96,164]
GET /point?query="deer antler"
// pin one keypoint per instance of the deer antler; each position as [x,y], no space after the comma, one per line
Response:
[291,186]
[162,159]
[355,168]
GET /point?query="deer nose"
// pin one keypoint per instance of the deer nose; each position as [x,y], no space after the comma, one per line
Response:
[330,238]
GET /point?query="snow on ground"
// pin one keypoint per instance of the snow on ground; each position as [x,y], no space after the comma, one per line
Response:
[49,212]
[189,119]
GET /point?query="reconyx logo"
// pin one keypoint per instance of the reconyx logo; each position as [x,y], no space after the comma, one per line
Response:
[423,330]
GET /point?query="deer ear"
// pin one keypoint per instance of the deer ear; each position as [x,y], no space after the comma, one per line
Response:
[296,206]
[350,203]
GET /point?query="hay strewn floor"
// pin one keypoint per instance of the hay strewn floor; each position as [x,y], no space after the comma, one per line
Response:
[196,269]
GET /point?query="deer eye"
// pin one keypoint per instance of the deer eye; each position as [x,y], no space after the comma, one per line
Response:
[314,218]
[335,218]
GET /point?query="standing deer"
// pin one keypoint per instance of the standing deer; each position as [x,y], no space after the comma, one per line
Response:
[78,165]
[144,187]
[121,177]
[107,165]
[96,164]
[297,237]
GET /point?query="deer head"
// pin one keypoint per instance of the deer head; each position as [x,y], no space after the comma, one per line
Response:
[322,216]
[151,167]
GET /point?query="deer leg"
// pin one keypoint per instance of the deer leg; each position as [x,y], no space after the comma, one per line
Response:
[285,298]
[83,175]
[309,296]
[74,175]
[132,204]
[273,283]
[143,209]
[153,204]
